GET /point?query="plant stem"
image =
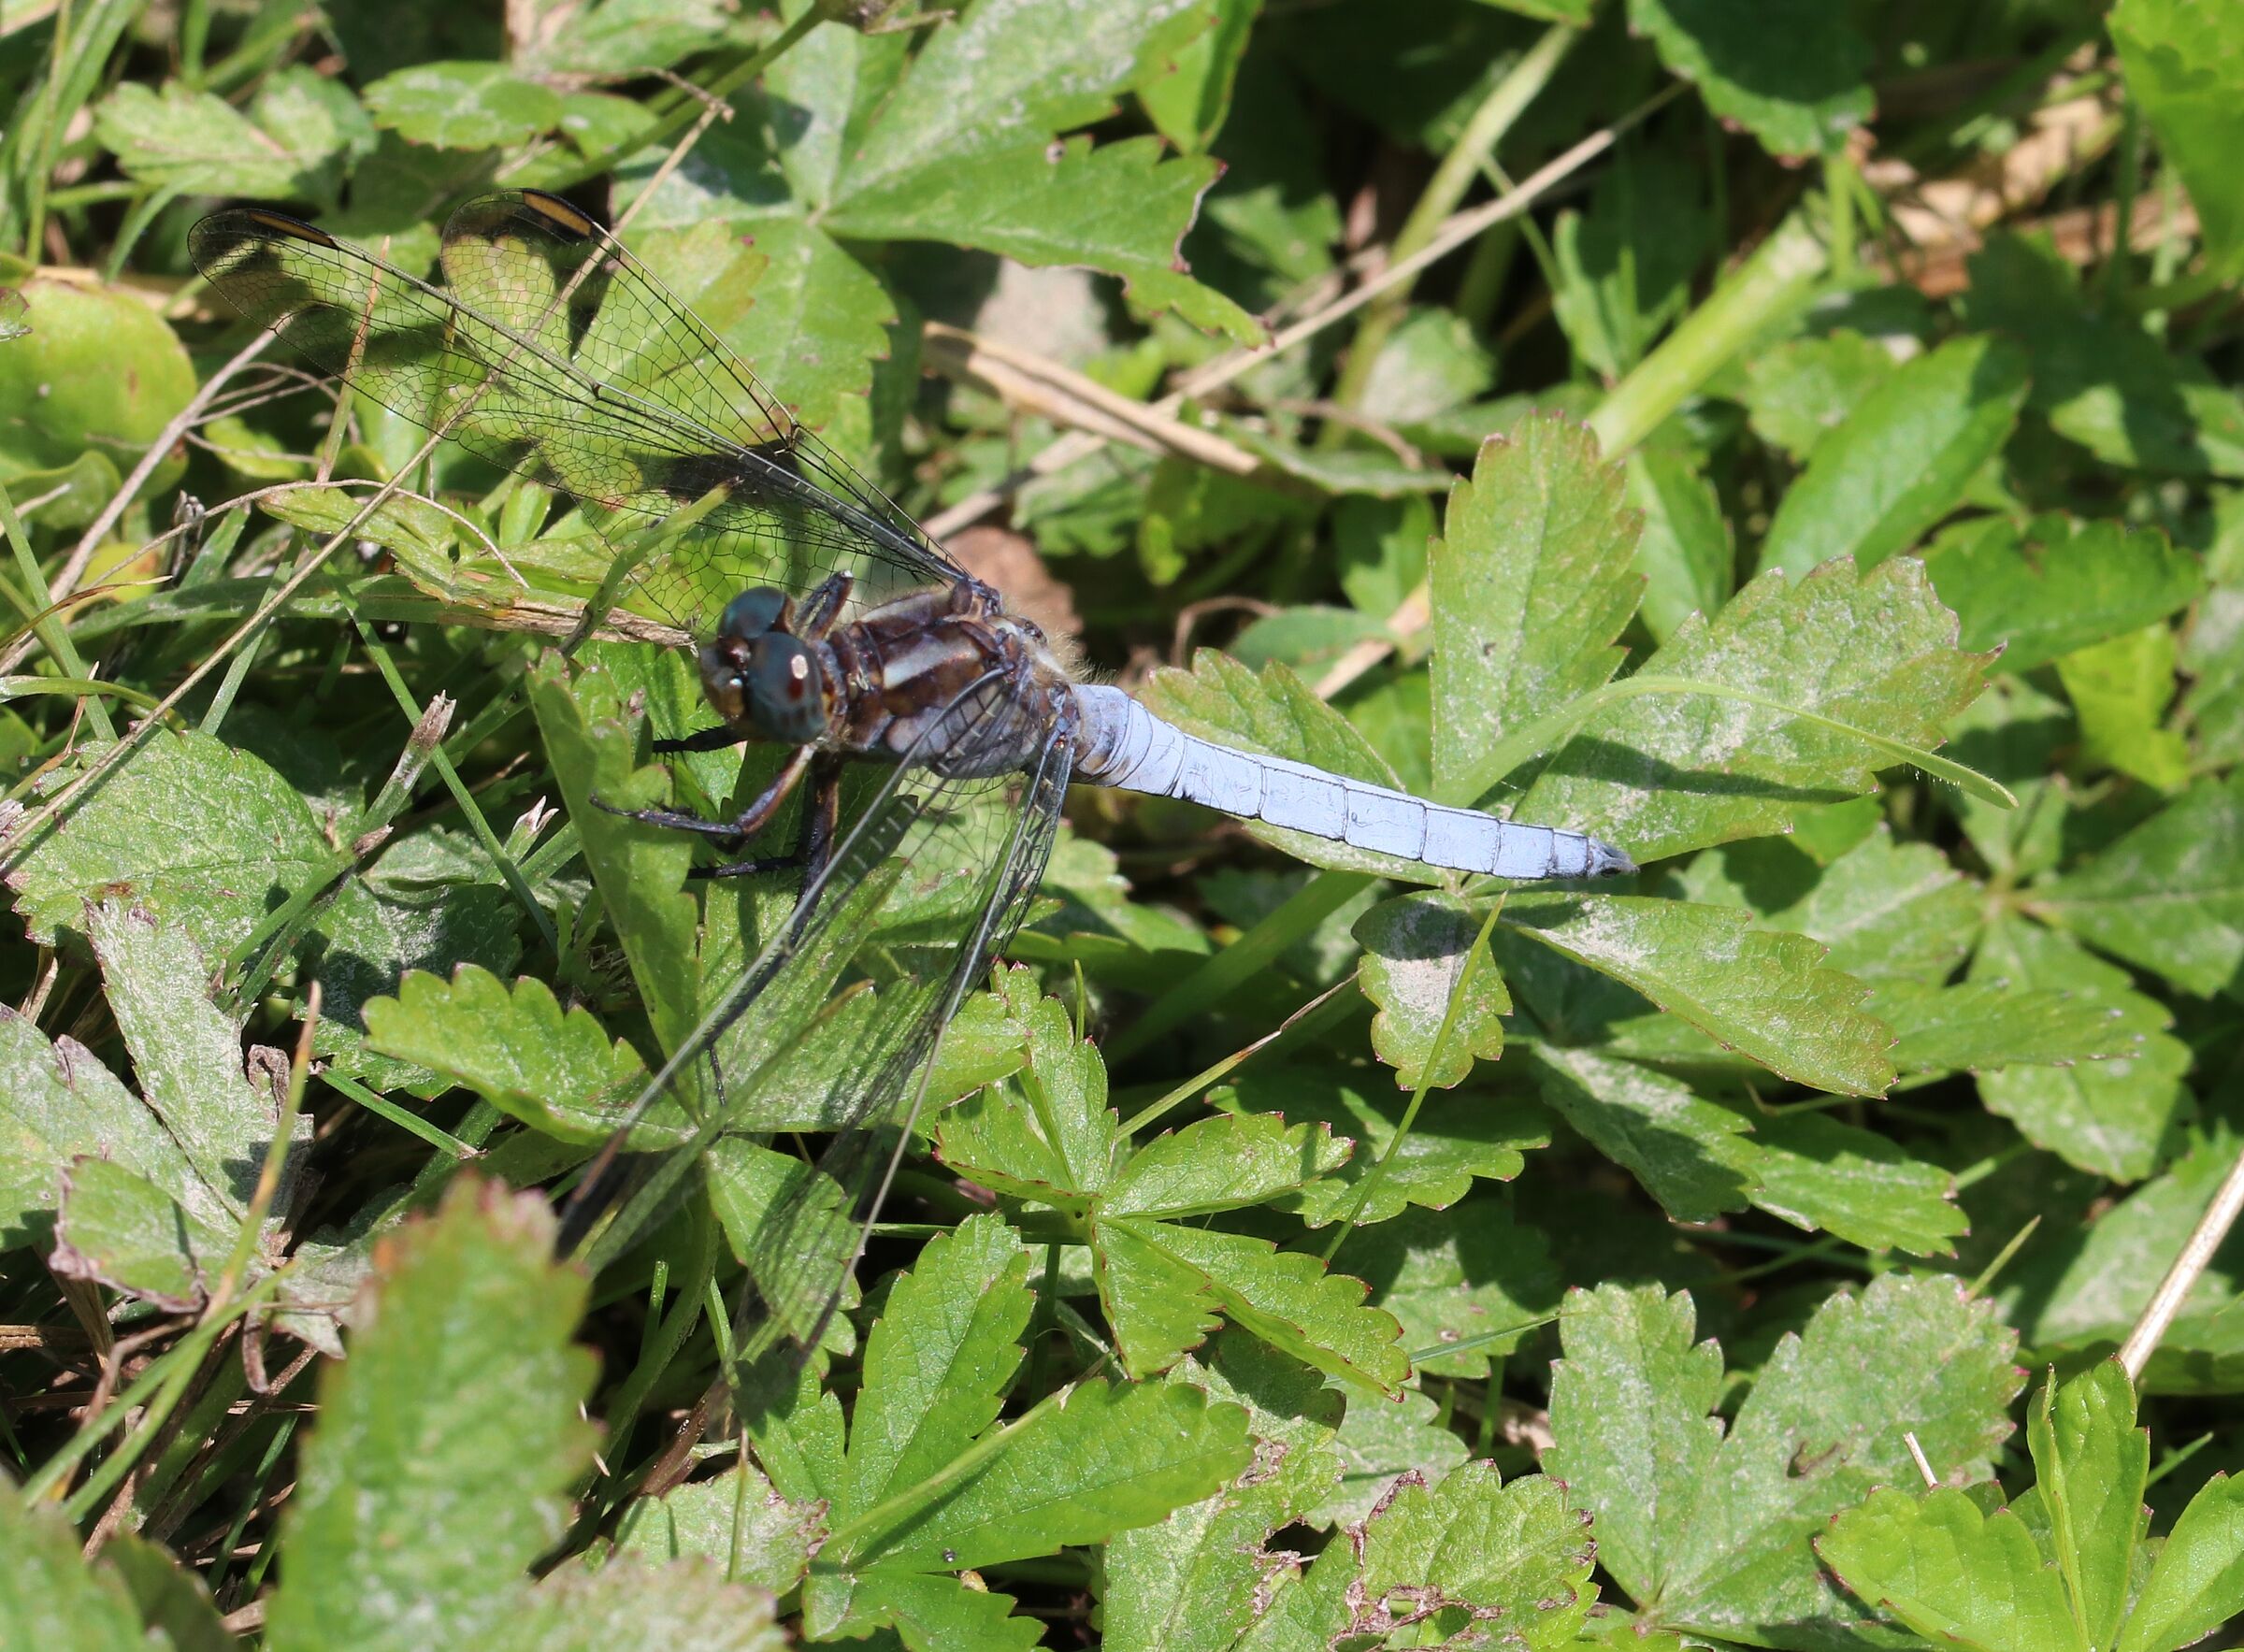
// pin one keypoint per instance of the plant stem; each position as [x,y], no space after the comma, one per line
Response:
[1252,953]
[1458,989]
[1780,278]
[1506,101]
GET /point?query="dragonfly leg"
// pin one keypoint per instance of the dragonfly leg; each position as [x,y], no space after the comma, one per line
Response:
[822,608]
[750,821]
[706,740]
[821,815]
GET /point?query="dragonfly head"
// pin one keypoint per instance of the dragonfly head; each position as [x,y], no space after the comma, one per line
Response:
[761,678]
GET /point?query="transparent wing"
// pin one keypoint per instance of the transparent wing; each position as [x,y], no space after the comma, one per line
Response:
[834,1024]
[552,352]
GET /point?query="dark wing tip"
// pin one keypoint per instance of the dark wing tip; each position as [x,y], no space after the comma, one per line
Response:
[220,232]
[564,218]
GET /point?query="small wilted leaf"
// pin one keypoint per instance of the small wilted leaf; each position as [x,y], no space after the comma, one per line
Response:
[1441,1000]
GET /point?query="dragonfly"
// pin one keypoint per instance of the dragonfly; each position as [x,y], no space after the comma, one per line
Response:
[929,734]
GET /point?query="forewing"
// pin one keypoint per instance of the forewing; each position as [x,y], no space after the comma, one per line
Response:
[835,1024]
[554,354]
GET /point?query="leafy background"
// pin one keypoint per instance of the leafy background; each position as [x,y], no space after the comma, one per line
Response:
[1297,1257]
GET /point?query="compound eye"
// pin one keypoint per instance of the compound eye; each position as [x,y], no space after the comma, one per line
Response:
[783,689]
[755,614]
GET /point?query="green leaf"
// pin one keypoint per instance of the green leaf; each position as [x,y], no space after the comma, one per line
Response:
[2112,1116]
[1474,1549]
[2196,1584]
[557,1073]
[1819,1172]
[937,1363]
[2013,733]
[1794,75]
[2058,584]
[1985,1026]
[1381,1440]
[1440,997]
[118,1228]
[1887,910]
[1766,996]
[921,1610]
[444,1444]
[1530,585]
[58,1104]
[1698,1158]
[736,1518]
[640,869]
[1431,363]
[1458,1277]
[65,406]
[1624,271]
[1951,1574]
[1159,1306]
[1190,64]
[2103,380]
[1113,1457]
[1691,1154]
[1799,391]
[1194,1581]
[171,1598]
[790,1224]
[1903,458]
[1658,773]
[2170,895]
[2184,64]
[635,36]
[1684,550]
[49,1598]
[1717,1527]
[2094,1463]
[1220,1164]
[805,315]
[629,1607]
[195,143]
[962,151]
[1451,1142]
[378,926]
[1286,1298]
[2212,654]
[1629,1406]
[196,832]
[187,1054]
[463,105]
[2121,689]
[2097,1288]
[1048,1135]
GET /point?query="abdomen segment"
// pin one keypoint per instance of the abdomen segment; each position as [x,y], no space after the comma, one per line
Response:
[1126,746]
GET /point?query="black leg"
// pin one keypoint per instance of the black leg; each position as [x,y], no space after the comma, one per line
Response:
[821,607]
[821,815]
[751,819]
[706,740]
